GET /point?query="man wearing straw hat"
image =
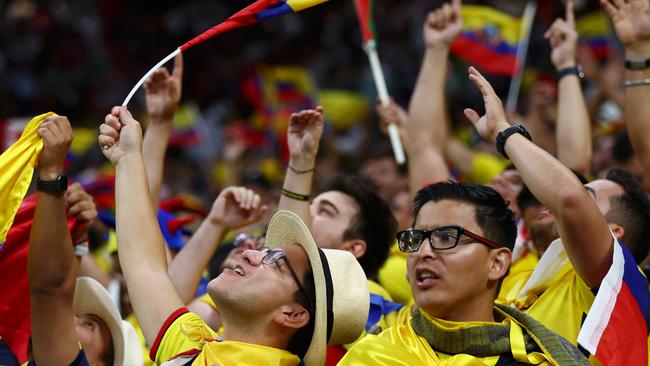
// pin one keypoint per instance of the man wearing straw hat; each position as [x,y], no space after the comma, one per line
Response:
[62,320]
[279,304]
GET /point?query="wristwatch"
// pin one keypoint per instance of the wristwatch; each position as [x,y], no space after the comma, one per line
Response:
[637,64]
[572,70]
[59,185]
[505,134]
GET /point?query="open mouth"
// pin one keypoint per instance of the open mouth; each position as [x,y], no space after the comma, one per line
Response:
[426,278]
[239,270]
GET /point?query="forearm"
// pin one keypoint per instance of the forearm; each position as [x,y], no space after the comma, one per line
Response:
[573,130]
[186,268]
[52,263]
[427,125]
[585,233]
[52,269]
[154,147]
[637,107]
[140,247]
[300,183]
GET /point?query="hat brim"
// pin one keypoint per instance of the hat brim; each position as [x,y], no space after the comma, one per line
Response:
[287,228]
[90,297]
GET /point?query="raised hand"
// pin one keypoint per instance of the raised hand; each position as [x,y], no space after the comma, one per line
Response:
[303,136]
[57,136]
[494,120]
[631,19]
[120,135]
[82,206]
[443,25]
[164,92]
[236,207]
[394,113]
[564,39]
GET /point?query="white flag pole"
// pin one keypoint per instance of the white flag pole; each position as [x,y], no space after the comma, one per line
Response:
[371,50]
[146,76]
[522,52]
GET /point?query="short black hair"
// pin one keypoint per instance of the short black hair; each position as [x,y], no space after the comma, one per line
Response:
[374,224]
[300,341]
[631,211]
[622,150]
[525,199]
[492,213]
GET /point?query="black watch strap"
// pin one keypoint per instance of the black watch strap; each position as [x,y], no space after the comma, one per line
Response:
[59,185]
[637,64]
[571,70]
[502,137]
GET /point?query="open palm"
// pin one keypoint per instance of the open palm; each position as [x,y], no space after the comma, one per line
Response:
[305,131]
[631,19]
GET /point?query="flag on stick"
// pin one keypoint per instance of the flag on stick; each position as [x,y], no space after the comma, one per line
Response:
[257,11]
[364,13]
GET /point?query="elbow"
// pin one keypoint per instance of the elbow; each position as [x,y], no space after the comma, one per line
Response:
[54,286]
[573,196]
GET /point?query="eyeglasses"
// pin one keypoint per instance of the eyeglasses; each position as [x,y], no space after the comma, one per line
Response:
[273,256]
[243,237]
[445,237]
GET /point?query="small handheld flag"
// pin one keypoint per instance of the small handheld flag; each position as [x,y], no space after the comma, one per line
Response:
[364,13]
[257,11]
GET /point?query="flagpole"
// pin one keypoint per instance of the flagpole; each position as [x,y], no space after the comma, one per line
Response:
[522,52]
[371,50]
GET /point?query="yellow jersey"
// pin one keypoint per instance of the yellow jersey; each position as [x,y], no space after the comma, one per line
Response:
[392,276]
[185,337]
[517,277]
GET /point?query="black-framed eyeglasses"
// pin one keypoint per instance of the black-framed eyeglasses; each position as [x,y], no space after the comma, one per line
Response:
[273,256]
[441,238]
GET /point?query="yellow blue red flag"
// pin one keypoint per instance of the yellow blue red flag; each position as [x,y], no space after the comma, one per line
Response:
[16,170]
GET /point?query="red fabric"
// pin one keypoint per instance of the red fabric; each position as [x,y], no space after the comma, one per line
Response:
[163,329]
[624,340]
[483,57]
[242,18]
[364,13]
[334,355]
[15,317]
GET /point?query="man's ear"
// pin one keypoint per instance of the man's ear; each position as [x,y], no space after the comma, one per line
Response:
[357,247]
[499,263]
[292,316]
[618,231]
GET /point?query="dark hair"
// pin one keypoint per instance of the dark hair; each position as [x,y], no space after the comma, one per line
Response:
[525,199]
[374,224]
[384,150]
[631,210]
[492,213]
[622,150]
[300,341]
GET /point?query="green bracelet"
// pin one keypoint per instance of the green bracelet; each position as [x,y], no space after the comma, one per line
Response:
[294,195]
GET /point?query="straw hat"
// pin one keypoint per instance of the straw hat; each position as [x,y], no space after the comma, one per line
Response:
[90,297]
[342,297]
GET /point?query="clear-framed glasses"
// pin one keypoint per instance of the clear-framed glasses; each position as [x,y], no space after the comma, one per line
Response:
[273,256]
[243,237]
[441,238]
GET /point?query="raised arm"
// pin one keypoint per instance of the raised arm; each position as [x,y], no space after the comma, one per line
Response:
[52,267]
[163,95]
[632,23]
[234,208]
[427,125]
[583,229]
[303,136]
[573,130]
[139,241]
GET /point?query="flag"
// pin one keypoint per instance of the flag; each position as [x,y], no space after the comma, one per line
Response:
[364,13]
[257,11]
[616,328]
[16,170]
[595,30]
[489,39]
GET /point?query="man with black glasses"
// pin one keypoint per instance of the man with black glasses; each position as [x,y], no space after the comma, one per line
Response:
[459,249]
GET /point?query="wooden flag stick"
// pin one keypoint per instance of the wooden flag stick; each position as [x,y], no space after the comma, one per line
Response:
[522,52]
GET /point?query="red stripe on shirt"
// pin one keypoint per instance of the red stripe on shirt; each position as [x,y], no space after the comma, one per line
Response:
[624,340]
[163,330]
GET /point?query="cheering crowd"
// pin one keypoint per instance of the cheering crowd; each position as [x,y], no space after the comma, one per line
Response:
[524,246]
